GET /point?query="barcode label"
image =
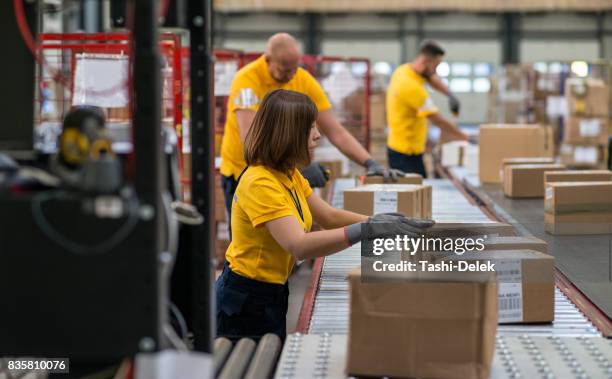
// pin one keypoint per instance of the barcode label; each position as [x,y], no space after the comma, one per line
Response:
[510,302]
[385,202]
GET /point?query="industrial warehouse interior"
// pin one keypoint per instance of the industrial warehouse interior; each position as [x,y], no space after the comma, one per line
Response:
[306,189]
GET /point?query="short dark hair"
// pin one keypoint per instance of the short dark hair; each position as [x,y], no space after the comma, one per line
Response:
[431,48]
[278,137]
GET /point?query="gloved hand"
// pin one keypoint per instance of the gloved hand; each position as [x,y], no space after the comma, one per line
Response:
[387,225]
[376,169]
[453,104]
[316,174]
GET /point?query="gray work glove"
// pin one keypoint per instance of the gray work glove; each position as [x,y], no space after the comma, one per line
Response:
[316,174]
[387,225]
[376,169]
[453,104]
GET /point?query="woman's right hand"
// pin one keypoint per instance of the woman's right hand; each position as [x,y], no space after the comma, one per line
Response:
[387,225]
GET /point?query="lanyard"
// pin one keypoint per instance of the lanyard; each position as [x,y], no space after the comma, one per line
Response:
[296,202]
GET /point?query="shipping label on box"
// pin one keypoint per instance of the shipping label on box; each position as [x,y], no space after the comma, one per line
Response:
[525,283]
[586,130]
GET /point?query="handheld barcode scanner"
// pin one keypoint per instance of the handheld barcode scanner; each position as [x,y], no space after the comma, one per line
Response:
[85,159]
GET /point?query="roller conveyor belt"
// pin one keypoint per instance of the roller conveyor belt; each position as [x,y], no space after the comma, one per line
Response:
[330,311]
[523,351]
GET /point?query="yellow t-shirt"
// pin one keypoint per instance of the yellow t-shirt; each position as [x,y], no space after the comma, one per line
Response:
[249,87]
[408,106]
[263,195]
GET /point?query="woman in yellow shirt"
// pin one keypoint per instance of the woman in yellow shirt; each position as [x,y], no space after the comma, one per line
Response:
[272,214]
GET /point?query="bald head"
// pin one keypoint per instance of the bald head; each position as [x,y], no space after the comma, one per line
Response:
[283,56]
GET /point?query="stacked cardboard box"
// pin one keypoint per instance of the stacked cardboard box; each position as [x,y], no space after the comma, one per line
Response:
[586,126]
[592,156]
[410,199]
[406,179]
[578,208]
[577,176]
[525,282]
[497,142]
[523,161]
[522,181]
[437,327]
[516,243]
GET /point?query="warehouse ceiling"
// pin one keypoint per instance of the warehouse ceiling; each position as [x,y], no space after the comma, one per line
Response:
[411,5]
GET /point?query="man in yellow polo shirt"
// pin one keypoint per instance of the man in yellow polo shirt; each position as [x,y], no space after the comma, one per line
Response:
[409,107]
[276,69]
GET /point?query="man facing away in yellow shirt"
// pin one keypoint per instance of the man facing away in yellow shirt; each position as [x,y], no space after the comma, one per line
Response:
[409,107]
[279,68]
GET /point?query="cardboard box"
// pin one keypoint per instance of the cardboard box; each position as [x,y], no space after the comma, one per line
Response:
[407,179]
[516,243]
[523,161]
[425,329]
[521,181]
[427,207]
[384,198]
[526,283]
[470,160]
[469,228]
[578,208]
[587,97]
[577,176]
[452,153]
[586,130]
[497,142]
[583,156]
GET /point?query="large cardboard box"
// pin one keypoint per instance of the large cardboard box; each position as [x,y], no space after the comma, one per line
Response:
[384,198]
[578,208]
[526,283]
[577,176]
[424,329]
[470,228]
[583,155]
[406,179]
[497,142]
[522,181]
[586,130]
[587,97]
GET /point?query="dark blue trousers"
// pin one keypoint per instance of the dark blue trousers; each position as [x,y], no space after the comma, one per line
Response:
[250,308]
[407,163]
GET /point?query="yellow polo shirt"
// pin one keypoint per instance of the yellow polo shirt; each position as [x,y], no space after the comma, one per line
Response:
[249,87]
[263,195]
[408,106]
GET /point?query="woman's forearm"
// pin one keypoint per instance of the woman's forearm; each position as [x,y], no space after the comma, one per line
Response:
[340,217]
[319,244]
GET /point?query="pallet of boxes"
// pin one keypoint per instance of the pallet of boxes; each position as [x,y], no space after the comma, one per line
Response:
[442,324]
[585,135]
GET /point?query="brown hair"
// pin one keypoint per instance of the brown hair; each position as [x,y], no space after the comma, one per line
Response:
[431,48]
[278,137]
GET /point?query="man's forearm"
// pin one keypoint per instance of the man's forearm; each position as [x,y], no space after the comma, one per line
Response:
[436,83]
[446,126]
[349,146]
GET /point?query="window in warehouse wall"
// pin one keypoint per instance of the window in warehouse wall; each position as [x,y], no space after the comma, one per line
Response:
[466,77]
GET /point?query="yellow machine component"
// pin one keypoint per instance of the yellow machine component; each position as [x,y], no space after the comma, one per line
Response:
[102,146]
[74,146]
